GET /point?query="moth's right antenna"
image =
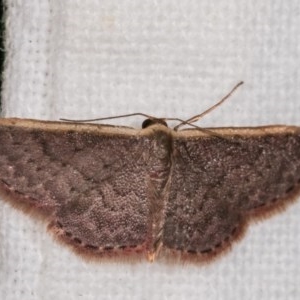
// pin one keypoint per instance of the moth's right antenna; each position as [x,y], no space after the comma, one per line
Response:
[197,117]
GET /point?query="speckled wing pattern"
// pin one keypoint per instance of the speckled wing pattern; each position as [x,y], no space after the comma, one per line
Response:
[218,184]
[89,184]
[110,191]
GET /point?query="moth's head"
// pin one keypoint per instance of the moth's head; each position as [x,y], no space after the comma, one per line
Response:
[149,122]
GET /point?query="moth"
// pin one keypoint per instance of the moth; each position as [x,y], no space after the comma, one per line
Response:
[155,192]
[108,190]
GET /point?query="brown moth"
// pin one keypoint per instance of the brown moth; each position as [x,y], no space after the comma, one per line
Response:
[154,192]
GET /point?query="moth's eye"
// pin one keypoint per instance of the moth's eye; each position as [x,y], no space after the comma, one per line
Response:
[150,122]
[147,123]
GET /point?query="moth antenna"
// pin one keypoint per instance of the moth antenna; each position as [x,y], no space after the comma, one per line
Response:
[131,115]
[108,118]
[182,122]
[204,130]
[197,117]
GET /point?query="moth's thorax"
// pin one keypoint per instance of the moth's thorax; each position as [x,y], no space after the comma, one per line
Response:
[160,150]
[158,182]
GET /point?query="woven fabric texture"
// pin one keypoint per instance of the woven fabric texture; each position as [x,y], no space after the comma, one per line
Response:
[90,58]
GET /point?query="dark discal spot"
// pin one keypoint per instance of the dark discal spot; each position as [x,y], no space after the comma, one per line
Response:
[274,200]
[132,246]
[106,166]
[122,247]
